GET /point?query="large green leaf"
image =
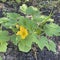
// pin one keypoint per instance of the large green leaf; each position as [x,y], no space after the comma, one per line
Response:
[52,29]
[25,45]
[13,18]
[3,46]
[29,10]
[49,44]
[4,36]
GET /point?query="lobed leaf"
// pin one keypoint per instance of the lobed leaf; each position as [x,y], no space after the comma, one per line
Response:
[32,11]
[42,42]
[3,46]
[4,20]
[13,16]
[52,29]
[4,36]
[51,46]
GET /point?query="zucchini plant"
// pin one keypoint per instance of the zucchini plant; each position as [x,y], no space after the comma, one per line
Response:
[29,29]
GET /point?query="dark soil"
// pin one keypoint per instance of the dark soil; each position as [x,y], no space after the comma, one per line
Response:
[13,52]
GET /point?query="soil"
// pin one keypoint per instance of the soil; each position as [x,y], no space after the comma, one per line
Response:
[13,52]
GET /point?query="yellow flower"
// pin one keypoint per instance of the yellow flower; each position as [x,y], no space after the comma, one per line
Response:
[22,32]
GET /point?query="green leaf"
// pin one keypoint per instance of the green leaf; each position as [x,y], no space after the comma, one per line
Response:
[3,46]
[49,44]
[4,20]
[34,38]
[25,45]
[21,20]
[13,16]
[32,11]
[23,8]
[29,10]
[18,1]
[42,18]
[38,18]
[52,29]
[29,24]
[52,46]
[10,24]
[3,0]
[14,40]
[4,36]
[42,42]
[0,58]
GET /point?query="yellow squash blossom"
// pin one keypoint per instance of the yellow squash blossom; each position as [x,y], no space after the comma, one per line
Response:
[22,32]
